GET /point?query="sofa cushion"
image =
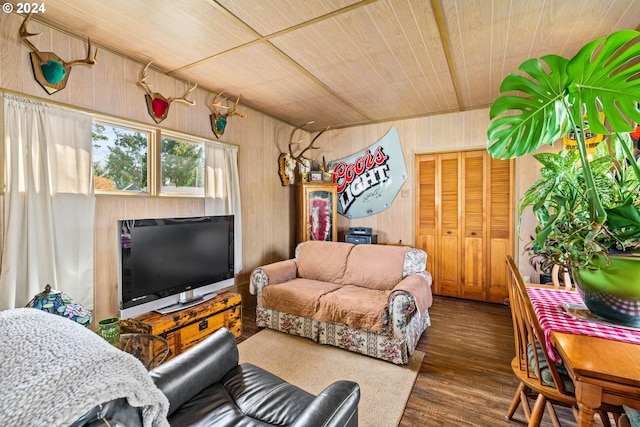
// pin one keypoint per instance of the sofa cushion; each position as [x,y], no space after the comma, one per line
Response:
[355,306]
[320,260]
[375,266]
[297,296]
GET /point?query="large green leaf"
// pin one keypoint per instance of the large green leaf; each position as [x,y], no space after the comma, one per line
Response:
[521,123]
[624,215]
[605,76]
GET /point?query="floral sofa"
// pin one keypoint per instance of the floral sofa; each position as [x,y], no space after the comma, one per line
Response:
[369,299]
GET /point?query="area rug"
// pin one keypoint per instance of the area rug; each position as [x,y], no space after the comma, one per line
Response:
[384,387]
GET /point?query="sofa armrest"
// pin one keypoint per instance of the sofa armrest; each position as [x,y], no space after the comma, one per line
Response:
[418,286]
[411,294]
[187,374]
[277,272]
[335,406]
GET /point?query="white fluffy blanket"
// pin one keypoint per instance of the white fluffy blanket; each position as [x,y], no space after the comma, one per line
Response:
[53,370]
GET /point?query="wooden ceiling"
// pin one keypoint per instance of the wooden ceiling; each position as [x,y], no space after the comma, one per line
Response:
[343,62]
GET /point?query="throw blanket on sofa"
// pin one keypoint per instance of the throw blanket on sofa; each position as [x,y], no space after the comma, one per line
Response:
[53,370]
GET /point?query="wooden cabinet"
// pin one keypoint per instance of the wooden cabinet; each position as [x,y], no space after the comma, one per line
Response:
[185,328]
[464,221]
[317,211]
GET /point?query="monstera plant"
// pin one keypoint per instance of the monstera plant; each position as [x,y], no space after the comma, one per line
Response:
[579,224]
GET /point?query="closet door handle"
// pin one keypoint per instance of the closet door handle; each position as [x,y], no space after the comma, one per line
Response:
[448,231]
[473,233]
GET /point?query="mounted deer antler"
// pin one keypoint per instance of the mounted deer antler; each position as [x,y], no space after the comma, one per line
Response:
[158,105]
[287,161]
[218,119]
[300,158]
[49,70]
[325,169]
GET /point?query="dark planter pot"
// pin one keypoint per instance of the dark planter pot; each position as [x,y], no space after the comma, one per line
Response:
[612,292]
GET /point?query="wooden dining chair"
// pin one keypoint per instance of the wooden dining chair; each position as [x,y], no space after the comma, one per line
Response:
[541,379]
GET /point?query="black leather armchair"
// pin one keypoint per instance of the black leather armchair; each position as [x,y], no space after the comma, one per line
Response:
[207,387]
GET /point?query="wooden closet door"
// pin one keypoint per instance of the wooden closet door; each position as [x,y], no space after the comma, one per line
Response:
[501,225]
[464,221]
[474,220]
[427,216]
[450,261]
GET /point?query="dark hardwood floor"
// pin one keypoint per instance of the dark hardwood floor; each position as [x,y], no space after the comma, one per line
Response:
[465,378]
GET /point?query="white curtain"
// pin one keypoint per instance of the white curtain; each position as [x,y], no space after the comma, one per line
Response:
[49,203]
[222,190]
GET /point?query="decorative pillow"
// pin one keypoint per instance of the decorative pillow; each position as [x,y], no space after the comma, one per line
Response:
[324,261]
[375,266]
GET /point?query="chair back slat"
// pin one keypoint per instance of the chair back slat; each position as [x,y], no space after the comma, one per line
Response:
[531,350]
[519,323]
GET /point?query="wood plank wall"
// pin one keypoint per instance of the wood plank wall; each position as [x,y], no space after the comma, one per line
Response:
[110,88]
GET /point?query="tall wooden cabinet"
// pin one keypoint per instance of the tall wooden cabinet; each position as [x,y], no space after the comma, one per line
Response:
[464,221]
[317,211]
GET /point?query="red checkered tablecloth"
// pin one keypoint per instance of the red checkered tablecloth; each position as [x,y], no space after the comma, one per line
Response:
[548,304]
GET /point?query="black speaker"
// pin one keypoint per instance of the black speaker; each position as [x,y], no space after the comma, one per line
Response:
[360,239]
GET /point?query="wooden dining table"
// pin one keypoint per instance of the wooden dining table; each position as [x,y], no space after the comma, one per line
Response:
[603,360]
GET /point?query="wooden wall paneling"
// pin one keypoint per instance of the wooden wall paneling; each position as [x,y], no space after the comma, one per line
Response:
[441,138]
[181,112]
[108,209]
[198,116]
[170,88]
[81,80]
[138,207]
[110,84]
[475,124]
[10,50]
[528,172]
[264,213]
[283,210]
[176,206]
[255,164]
[135,106]
[59,43]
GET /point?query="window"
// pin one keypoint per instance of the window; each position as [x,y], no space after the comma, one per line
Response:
[120,157]
[182,163]
[127,158]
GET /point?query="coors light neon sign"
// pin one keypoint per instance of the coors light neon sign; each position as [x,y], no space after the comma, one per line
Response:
[368,181]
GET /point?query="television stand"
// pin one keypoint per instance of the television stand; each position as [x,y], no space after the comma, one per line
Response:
[185,303]
[188,326]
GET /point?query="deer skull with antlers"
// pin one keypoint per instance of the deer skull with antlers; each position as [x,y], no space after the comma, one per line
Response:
[49,70]
[287,162]
[158,105]
[219,119]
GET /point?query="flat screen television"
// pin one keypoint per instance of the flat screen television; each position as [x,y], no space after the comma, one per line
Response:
[168,264]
